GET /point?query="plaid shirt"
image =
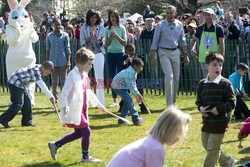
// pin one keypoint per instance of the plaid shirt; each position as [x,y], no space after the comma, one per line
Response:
[24,76]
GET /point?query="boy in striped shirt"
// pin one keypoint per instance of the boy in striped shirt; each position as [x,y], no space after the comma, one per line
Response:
[215,101]
[18,86]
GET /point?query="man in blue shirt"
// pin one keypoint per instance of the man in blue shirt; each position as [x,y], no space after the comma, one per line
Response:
[168,35]
[241,110]
[58,51]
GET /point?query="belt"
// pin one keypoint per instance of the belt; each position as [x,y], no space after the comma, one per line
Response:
[169,48]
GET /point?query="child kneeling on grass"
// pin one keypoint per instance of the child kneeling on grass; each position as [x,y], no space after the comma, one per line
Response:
[241,110]
[75,95]
[126,62]
[170,127]
[124,80]
[18,86]
[215,101]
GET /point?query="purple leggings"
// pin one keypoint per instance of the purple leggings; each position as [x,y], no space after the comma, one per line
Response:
[83,133]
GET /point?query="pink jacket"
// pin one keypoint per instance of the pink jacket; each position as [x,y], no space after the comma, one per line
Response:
[146,152]
[246,127]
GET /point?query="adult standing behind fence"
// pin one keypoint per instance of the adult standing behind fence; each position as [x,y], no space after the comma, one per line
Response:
[91,35]
[211,38]
[115,40]
[58,51]
[167,36]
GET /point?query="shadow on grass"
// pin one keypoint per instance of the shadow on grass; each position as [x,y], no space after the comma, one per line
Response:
[243,160]
[4,106]
[156,111]
[17,129]
[194,113]
[93,127]
[37,111]
[43,108]
[245,151]
[101,116]
[188,108]
[44,113]
[73,164]
[230,141]
[237,121]
[46,163]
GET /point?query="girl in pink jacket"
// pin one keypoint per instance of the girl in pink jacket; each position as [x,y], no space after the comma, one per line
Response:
[245,130]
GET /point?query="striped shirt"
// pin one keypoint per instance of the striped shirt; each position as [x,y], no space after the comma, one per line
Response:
[24,76]
[219,95]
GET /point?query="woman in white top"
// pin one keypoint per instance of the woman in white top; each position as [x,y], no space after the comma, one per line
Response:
[91,36]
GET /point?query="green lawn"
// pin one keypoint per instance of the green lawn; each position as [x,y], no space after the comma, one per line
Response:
[27,146]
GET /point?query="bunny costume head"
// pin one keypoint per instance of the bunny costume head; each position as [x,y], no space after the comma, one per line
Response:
[18,15]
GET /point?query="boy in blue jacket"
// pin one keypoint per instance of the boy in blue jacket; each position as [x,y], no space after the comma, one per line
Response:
[241,110]
[124,80]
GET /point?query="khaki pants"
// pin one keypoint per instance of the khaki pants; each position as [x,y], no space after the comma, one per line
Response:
[212,142]
[170,64]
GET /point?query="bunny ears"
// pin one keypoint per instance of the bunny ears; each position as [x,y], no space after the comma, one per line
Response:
[14,3]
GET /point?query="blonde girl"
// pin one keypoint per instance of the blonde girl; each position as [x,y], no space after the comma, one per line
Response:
[170,127]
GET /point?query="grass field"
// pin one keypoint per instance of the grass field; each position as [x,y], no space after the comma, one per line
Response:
[27,146]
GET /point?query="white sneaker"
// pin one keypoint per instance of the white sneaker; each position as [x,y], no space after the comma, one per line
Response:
[53,150]
[113,105]
[91,160]
[234,163]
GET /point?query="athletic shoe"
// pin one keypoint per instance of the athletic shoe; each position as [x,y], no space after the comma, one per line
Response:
[5,124]
[30,124]
[53,150]
[113,105]
[91,160]
[139,121]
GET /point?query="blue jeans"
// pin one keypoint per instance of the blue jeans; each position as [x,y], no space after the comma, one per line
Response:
[114,61]
[128,105]
[20,101]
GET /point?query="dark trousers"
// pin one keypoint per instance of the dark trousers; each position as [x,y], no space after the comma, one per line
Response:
[241,110]
[59,74]
[114,61]
[20,101]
